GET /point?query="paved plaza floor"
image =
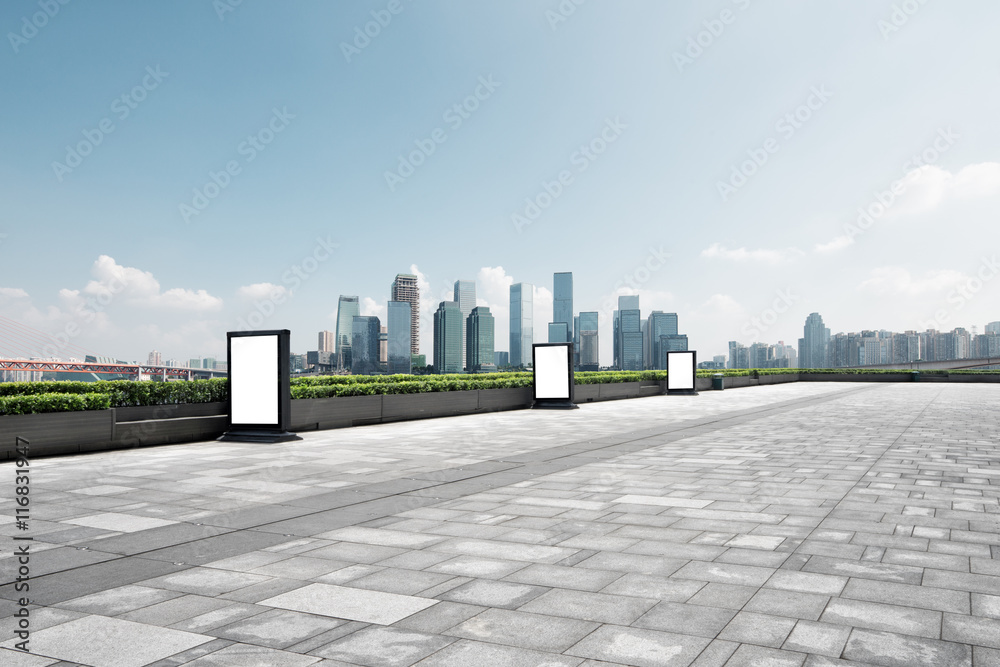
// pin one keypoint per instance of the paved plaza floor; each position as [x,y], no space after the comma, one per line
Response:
[815,524]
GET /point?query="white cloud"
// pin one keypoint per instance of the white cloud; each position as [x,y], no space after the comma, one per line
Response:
[370,306]
[778,256]
[838,243]
[928,187]
[139,288]
[897,281]
[262,291]
[13,293]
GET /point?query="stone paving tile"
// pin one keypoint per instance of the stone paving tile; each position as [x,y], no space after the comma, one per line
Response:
[723,573]
[523,630]
[895,650]
[758,629]
[488,593]
[806,606]
[115,601]
[748,655]
[649,585]
[175,610]
[349,603]
[971,630]
[688,619]
[277,628]
[640,647]
[465,652]
[891,618]
[817,638]
[727,596]
[243,655]
[938,599]
[599,607]
[474,566]
[383,647]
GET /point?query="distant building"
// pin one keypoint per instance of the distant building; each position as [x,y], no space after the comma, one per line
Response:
[348,308]
[479,330]
[501,359]
[521,335]
[448,338]
[993,328]
[418,361]
[383,348]
[630,333]
[194,363]
[364,345]
[208,363]
[659,324]
[588,340]
[405,288]
[154,359]
[327,341]
[562,309]
[558,332]
[465,297]
[814,344]
[398,327]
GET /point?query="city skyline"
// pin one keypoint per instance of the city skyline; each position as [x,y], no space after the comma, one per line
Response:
[193,187]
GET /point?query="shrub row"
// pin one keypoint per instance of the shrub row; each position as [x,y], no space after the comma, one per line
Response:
[52,402]
[126,393]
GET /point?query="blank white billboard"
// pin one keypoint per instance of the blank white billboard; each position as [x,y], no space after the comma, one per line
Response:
[253,379]
[552,372]
[680,370]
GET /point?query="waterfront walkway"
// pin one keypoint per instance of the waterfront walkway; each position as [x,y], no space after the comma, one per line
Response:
[814,524]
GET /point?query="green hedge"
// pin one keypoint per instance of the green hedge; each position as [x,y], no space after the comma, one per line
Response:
[52,402]
[127,393]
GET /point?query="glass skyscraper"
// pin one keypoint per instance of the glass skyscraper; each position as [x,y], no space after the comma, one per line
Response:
[630,333]
[588,340]
[448,338]
[465,297]
[364,345]
[479,329]
[562,306]
[398,324]
[815,343]
[405,288]
[347,309]
[521,339]
[658,324]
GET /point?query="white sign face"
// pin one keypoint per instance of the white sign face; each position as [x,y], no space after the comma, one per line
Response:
[253,379]
[680,370]
[552,372]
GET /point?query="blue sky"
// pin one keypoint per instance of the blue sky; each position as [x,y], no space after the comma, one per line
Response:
[828,102]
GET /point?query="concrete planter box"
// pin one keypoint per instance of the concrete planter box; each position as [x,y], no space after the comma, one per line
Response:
[56,432]
[492,400]
[310,414]
[400,407]
[169,411]
[856,377]
[163,432]
[778,379]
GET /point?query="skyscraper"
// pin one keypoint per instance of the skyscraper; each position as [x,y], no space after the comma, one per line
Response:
[814,344]
[992,328]
[364,345]
[465,296]
[479,329]
[398,324]
[630,333]
[588,337]
[405,288]
[658,324]
[327,341]
[521,335]
[562,308]
[448,338]
[348,308]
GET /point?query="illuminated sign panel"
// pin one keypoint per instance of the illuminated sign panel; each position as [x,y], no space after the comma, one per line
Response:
[681,371]
[260,399]
[553,375]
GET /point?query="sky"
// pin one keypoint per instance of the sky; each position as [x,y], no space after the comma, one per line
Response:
[173,171]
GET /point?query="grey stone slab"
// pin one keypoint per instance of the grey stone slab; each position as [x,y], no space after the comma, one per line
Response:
[653,586]
[243,655]
[233,611]
[475,566]
[895,650]
[404,582]
[971,630]
[115,601]
[924,597]
[354,553]
[503,550]
[807,582]
[817,638]
[748,655]
[724,573]
[632,563]
[806,606]
[173,611]
[759,629]
[110,642]
[688,619]
[556,576]
[153,539]
[715,654]
[205,581]
[353,604]
[383,647]
[276,628]
[640,647]
[488,593]
[465,652]
[598,607]
[726,596]
[877,616]
[963,581]
[210,549]
[381,537]
[79,582]
[523,630]
[439,618]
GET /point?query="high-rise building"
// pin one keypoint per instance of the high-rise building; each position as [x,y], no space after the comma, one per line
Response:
[630,333]
[398,327]
[814,344]
[479,330]
[154,359]
[327,341]
[405,288]
[448,338]
[562,308]
[194,363]
[616,340]
[521,334]
[501,359]
[208,363]
[465,297]
[383,348]
[364,344]
[658,324]
[588,339]
[992,328]
[348,307]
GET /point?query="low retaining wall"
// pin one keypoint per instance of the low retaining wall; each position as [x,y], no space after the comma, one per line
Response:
[123,428]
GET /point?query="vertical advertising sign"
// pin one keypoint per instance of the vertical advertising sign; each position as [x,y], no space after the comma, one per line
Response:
[681,368]
[259,386]
[553,375]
